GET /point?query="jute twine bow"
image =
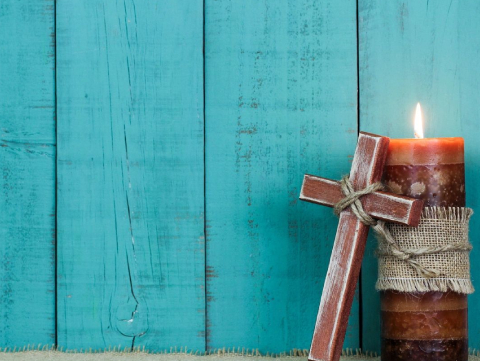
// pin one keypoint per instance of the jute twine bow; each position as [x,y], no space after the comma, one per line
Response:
[352,200]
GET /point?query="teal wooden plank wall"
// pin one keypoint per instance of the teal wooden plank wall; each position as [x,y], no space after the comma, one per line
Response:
[275,71]
[27,181]
[130,174]
[152,154]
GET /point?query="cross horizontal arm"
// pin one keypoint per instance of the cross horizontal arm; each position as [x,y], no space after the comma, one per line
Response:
[381,205]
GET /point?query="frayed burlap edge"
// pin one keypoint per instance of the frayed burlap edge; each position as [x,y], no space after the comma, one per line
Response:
[459,214]
[425,285]
[444,283]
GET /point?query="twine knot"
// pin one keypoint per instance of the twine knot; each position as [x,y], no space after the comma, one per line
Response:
[352,200]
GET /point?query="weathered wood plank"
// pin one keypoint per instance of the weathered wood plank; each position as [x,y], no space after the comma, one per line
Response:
[380,205]
[422,51]
[347,255]
[130,174]
[280,102]
[27,161]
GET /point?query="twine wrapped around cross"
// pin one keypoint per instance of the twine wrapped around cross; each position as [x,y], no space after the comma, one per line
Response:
[352,200]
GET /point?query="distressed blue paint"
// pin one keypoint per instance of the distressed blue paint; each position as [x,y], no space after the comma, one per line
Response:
[421,51]
[27,181]
[130,174]
[281,97]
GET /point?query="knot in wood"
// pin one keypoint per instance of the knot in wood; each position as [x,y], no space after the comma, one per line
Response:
[352,200]
[132,318]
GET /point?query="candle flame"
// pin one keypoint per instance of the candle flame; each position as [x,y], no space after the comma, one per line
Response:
[418,125]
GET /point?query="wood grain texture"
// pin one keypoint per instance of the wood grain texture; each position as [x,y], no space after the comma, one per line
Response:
[380,205]
[280,80]
[338,290]
[130,174]
[424,51]
[347,255]
[27,161]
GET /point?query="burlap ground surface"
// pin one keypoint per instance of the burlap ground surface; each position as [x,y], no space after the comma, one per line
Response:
[113,356]
[59,356]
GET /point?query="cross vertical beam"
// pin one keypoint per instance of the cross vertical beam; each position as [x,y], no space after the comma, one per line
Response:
[349,246]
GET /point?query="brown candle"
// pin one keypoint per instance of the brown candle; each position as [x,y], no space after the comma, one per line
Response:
[431,325]
[431,169]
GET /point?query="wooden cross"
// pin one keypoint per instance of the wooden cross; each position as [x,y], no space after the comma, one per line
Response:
[349,246]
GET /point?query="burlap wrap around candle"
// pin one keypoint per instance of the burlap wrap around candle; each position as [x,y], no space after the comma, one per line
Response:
[431,257]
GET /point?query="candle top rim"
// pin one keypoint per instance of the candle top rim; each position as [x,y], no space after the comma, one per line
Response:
[426,151]
[430,139]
